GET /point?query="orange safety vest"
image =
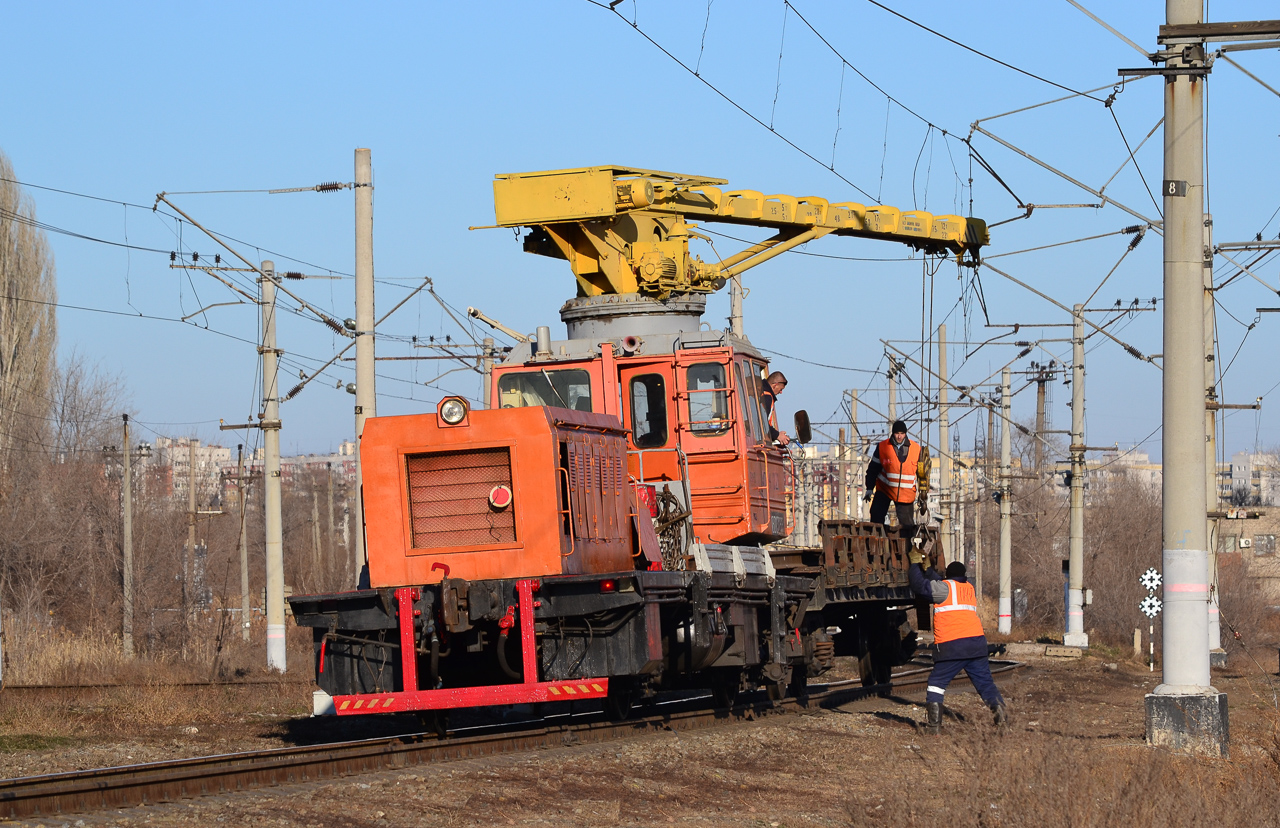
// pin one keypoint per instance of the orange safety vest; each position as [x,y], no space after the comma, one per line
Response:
[897,480]
[956,617]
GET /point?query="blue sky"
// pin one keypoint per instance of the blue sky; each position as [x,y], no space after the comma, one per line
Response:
[125,101]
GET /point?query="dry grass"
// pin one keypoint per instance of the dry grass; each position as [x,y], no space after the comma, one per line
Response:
[39,654]
[143,694]
[1043,780]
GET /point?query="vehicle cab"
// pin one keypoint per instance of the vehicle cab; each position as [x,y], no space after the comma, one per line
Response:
[691,403]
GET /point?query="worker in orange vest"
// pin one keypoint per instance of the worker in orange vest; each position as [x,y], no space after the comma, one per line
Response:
[957,636]
[899,474]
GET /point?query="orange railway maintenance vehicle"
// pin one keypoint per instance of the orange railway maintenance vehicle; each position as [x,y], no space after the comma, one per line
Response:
[609,527]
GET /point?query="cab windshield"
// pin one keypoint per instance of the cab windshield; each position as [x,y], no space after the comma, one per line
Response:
[566,388]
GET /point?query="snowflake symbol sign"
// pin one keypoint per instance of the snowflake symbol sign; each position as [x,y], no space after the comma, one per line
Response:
[1150,606]
[1150,580]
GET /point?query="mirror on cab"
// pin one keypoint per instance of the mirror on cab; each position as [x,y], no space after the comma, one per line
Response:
[803,433]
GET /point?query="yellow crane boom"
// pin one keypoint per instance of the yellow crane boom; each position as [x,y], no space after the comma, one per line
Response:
[625,230]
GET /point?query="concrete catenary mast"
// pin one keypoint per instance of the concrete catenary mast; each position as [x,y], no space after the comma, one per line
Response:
[1005,609]
[271,472]
[366,389]
[1076,636]
[1185,711]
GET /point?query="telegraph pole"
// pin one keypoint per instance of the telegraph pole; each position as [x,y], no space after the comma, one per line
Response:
[842,472]
[189,560]
[978,503]
[1217,655]
[735,305]
[944,442]
[486,365]
[1041,379]
[855,456]
[1005,610]
[1075,635]
[333,541]
[1185,711]
[241,485]
[893,390]
[366,391]
[126,633]
[271,472]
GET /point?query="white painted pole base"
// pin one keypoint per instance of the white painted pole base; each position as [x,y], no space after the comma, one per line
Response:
[275,647]
[1075,635]
[1005,624]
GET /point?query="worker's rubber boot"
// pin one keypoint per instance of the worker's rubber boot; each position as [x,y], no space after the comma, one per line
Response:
[934,711]
[1001,714]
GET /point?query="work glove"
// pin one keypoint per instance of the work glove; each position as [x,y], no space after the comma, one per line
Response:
[922,504]
[915,557]
[866,498]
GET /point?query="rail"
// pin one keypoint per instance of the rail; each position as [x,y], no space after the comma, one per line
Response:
[156,782]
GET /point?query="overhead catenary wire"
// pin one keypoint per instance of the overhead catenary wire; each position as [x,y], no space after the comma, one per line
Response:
[726,97]
[980,53]
[124,203]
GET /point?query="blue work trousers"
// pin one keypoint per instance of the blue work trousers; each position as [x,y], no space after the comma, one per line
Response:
[978,671]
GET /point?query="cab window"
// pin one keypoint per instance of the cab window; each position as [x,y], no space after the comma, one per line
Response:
[755,375]
[708,399]
[747,400]
[648,411]
[567,388]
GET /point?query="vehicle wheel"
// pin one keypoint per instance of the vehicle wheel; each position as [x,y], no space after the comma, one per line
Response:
[437,721]
[617,704]
[724,687]
[800,686]
[777,690]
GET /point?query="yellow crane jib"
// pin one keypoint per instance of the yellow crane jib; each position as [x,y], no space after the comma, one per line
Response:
[624,230]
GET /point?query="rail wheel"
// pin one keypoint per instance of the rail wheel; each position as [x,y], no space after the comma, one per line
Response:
[725,683]
[622,695]
[437,721]
[777,688]
[800,685]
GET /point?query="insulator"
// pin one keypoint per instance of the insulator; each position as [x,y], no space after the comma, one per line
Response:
[292,274]
[329,187]
[1132,228]
[293,392]
[195,257]
[217,258]
[173,256]
[333,323]
[1137,240]
[1134,352]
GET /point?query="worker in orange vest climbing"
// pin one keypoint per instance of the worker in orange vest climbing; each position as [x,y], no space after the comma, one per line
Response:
[957,635]
[899,474]
[769,399]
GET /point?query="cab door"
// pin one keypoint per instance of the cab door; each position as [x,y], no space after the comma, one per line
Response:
[756,446]
[712,442]
[649,415]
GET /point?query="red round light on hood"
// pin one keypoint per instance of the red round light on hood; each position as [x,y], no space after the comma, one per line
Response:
[500,497]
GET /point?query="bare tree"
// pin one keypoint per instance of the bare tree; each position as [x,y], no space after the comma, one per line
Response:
[28,324]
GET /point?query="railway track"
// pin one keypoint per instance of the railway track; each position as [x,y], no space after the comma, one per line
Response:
[157,782]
